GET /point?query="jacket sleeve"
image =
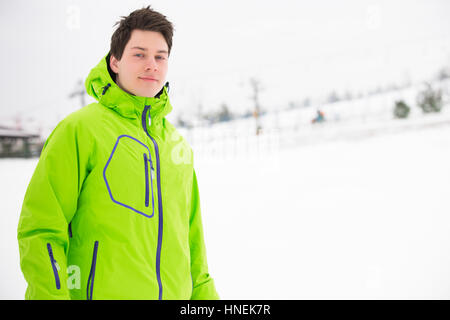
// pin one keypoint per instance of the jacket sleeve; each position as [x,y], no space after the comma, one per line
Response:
[50,203]
[202,283]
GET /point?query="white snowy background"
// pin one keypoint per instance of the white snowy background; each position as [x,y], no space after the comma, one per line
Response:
[357,207]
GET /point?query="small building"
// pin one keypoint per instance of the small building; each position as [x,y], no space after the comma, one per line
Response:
[15,143]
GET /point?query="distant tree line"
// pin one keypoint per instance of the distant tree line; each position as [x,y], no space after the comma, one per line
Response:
[429,100]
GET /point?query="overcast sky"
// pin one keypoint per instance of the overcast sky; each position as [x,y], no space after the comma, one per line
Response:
[296,49]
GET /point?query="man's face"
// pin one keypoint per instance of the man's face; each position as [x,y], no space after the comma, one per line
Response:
[143,67]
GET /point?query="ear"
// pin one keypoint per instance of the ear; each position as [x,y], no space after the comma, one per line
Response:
[113,63]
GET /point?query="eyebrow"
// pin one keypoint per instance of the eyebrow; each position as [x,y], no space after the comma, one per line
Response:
[145,49]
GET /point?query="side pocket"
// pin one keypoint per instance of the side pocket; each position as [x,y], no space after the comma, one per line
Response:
[55,266]
[90,284]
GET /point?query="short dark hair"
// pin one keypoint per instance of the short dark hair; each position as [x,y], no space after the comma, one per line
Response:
[143,19]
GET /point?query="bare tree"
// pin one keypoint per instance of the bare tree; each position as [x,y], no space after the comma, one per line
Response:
[256,86]
[80,92]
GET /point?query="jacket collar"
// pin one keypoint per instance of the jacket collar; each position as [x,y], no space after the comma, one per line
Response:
[101,86]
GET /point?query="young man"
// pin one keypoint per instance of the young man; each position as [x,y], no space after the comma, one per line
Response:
[112,210]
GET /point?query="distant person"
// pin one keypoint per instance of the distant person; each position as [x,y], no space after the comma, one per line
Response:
[320,117]
[113,210]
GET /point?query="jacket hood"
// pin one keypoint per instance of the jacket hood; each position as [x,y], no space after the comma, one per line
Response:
[101,86]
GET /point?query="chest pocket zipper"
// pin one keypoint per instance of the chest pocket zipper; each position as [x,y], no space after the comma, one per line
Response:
[147,187]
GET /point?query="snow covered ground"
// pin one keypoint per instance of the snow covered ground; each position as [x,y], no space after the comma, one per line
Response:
[347,219]
[365,218]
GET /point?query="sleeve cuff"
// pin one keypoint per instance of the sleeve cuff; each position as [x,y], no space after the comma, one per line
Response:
[205,291]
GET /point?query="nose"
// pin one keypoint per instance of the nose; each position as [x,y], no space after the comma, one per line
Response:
[151,65]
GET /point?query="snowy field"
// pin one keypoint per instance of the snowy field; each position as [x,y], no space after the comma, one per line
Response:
[364,218]
[356,219]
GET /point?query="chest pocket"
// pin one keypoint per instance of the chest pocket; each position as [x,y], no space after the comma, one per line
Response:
[129,176]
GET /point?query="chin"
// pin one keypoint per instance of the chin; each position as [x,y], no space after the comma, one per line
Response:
[150,92]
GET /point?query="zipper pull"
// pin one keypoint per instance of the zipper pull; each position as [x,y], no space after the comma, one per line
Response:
[152,170]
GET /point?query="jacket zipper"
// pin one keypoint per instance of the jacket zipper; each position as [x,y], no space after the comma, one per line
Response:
[90,284]
[160,208]
[54,266]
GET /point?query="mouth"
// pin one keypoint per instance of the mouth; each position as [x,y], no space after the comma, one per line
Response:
[148,79]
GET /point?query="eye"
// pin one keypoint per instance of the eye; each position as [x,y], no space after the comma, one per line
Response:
[139,55]
[160,57]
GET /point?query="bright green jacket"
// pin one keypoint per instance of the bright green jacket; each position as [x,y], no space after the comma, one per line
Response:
[112,210]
